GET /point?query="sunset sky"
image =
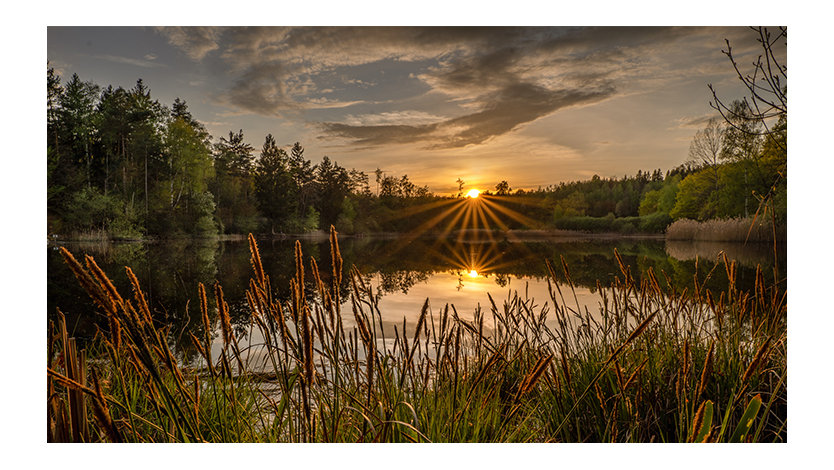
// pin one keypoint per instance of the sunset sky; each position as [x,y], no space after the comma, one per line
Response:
[533,106]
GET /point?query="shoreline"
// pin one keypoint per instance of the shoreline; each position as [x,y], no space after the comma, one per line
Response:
[506,236]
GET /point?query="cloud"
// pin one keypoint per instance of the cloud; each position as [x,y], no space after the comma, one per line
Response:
[490,80]
[408,117]
[695,122]
[196,42]
[130,61]
[510,107]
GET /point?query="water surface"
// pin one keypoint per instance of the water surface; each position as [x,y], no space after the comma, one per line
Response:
[404,272]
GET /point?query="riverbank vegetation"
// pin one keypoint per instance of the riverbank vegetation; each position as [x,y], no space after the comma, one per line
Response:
[655,364]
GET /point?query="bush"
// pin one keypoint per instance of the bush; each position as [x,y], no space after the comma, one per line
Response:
[654,223]
[91,209]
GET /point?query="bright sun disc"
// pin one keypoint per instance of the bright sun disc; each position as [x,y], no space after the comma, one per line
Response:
[473,193]
[473,273]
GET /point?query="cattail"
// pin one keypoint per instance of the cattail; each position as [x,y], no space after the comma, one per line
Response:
[363,329]
[201,289]
[653,280]
[421,320]
[104,281]
[534,375]
[639,330]
[634,374]
[257,266]
[621,264]
[566,269]
[86,280]
[102,414]
[139,295]
[335,256]
[706,373]
[757,359]
[696,424]
[634,334]
[600,395]
[307,342]
[222,308]
[299,274]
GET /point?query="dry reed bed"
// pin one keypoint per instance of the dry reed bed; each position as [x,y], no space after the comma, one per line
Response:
[737,229]
[654,365]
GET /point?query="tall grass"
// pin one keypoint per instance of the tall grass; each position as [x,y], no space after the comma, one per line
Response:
[737,229]
[654,364]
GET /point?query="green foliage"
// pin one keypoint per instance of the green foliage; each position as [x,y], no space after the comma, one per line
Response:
[275,189]
[696,198]
[202,207]
[746,422]
[127,225]
[662,199]
[652,223]
[90,209]
[334,184]
[344,224]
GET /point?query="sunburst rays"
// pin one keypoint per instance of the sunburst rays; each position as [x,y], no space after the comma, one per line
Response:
[466,231]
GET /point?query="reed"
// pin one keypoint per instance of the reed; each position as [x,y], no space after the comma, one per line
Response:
[737,229]
[515,372]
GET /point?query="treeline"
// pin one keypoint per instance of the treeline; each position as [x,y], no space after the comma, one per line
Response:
[122,165]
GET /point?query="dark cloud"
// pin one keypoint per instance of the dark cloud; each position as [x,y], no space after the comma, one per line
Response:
[515,105]
[510,107]
[379,135]
[261,90]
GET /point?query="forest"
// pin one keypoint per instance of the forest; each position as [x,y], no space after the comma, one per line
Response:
[123,166]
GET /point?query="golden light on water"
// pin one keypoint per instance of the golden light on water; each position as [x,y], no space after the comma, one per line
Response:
[468,232]
[473,193]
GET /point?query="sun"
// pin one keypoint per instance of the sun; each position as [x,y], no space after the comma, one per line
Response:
[473,193]
[473,273]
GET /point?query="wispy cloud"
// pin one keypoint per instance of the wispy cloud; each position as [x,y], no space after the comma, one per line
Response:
[130,61]
[196,42]
[695,122]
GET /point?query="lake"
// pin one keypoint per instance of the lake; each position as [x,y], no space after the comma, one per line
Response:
[461,272]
